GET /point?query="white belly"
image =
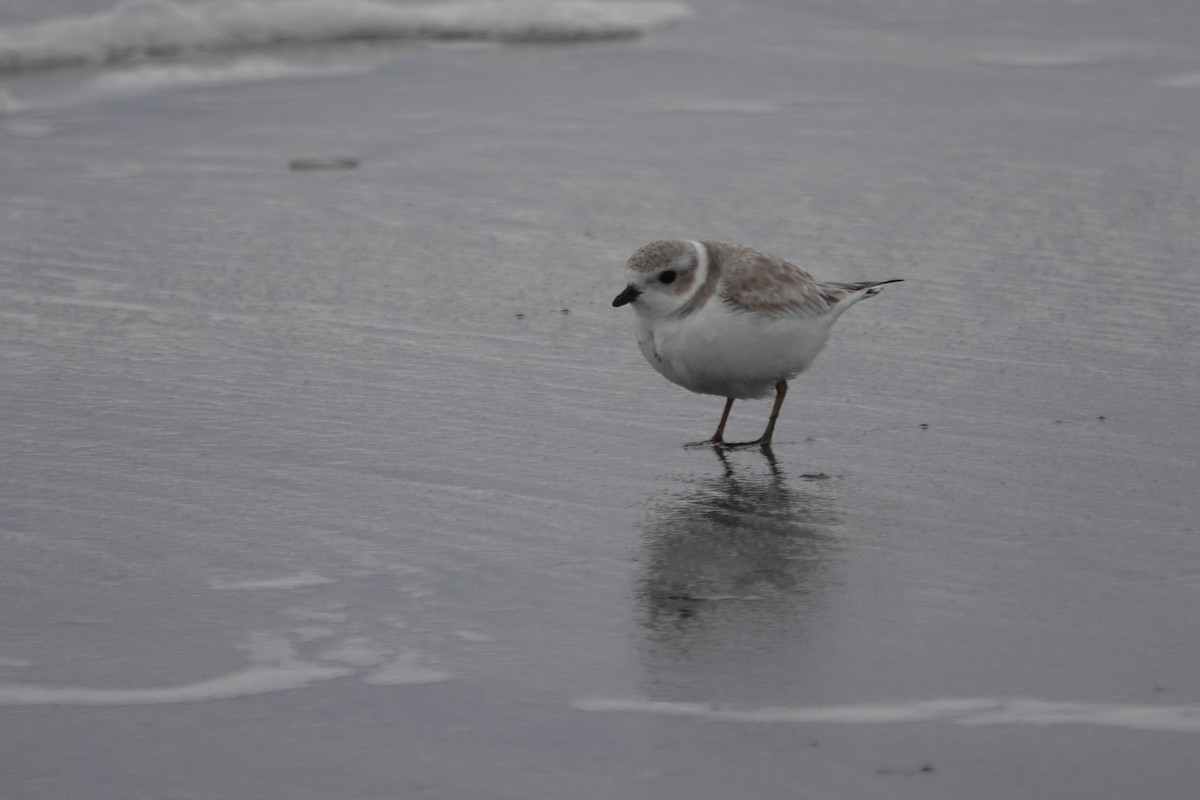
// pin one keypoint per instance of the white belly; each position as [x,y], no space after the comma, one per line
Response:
[731,354]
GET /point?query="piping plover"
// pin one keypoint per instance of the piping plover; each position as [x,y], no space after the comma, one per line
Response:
[731,321]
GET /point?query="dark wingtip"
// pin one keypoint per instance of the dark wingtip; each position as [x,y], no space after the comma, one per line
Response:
[873,288]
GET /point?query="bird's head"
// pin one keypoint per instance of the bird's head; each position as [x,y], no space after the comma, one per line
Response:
[663,277]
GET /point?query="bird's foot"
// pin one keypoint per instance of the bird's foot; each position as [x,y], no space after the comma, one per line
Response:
[765,444]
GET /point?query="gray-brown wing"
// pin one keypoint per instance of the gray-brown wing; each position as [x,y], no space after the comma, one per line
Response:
[760,283]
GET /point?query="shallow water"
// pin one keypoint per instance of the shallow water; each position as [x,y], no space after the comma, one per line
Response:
[351,483]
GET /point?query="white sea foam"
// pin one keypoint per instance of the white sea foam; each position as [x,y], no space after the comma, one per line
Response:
[276,666]
[140,28]
[405,671]
[254,681]
[313,615]
[1182,80]
[148,78]
[300,581]
[359,651]
[15,662]
[965,711]
[719,106]
[1064,56]
[28,130]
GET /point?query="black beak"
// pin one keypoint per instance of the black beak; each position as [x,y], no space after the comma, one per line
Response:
[628,296]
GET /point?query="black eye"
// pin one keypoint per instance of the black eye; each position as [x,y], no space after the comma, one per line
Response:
[667,276]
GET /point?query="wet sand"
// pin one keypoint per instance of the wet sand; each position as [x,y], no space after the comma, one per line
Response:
[351,483]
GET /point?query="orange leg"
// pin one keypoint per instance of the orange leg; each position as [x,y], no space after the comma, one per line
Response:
[719,436]
[763,441]
[780,393]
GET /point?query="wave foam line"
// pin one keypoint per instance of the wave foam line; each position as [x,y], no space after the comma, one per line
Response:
[300,581]
[140,28]
[255,681]
[966,711]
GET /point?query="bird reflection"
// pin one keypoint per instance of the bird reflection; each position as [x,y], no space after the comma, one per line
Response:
[733,566]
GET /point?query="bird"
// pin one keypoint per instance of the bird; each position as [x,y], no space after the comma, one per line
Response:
[731,321]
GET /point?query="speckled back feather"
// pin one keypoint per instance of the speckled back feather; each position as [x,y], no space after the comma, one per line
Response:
[755,282]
